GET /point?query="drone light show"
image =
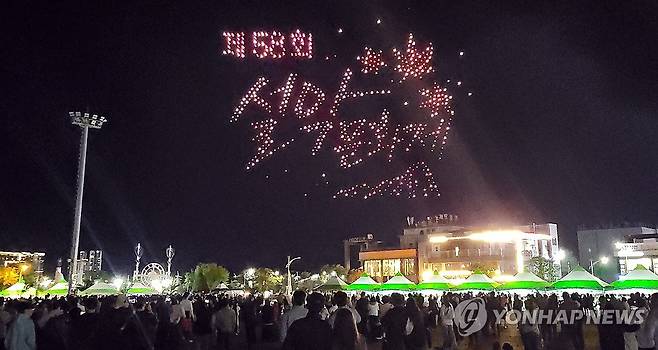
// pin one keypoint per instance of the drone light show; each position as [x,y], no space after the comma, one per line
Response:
[387,107]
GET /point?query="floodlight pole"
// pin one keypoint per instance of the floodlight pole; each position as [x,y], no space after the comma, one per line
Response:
[77,216]
[84,121]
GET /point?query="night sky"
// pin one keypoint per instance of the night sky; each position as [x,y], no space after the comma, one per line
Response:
[562,125]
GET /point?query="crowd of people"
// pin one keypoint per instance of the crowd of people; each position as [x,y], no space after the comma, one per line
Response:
[317,321]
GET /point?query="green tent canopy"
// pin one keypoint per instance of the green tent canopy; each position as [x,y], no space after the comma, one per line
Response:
[477,281]
[333,283]
[364,283]
[100,288]
[16,290]
[399,282]
[60,288]
[526,281]
[435,282]
[138,288]
[578,278]
[638,280]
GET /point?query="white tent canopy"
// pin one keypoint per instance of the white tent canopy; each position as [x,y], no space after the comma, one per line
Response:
[100,288]
[579,279]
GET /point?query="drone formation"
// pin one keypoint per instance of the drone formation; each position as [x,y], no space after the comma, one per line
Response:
[301,107]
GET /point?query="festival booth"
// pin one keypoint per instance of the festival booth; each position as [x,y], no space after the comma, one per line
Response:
[334,283]
[435,283]
[476,282]
[138,288]
[29,293]
[17,290]
[640,280]
[524,283]
[398,283]
[59,289]
[579,281]
[364,284]
[100,288]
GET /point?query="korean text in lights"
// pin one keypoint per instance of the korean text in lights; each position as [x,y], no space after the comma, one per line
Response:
[268,44]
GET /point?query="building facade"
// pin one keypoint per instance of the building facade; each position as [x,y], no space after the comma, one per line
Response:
[597,243]
[15,259]
[385,263]
[91,261]
[637,250]
[441,245]
[350,245]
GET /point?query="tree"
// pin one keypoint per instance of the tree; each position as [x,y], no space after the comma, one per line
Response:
[265,279]
[488,269]
[332,270]
[8,276]
[353,275]
[188,282]
[30,278]
[308,281]
[543,268]
[206,277]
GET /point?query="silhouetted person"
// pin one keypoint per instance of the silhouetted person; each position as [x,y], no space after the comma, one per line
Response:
[86,330]
[395,324]
[295,313]
[344,332]
[310,332]
[21,335]
[417,338]
[141,327]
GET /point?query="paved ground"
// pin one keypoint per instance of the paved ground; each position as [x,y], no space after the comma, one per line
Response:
[510,335]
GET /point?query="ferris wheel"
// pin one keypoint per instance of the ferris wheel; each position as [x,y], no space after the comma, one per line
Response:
[152,272]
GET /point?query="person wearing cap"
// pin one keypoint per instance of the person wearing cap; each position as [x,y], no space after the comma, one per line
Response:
[310,332]
[20,335]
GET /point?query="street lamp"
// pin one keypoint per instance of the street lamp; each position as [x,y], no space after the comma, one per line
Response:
[289,286]
[603,260]
[84,121]
[169,252]
[138,256]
